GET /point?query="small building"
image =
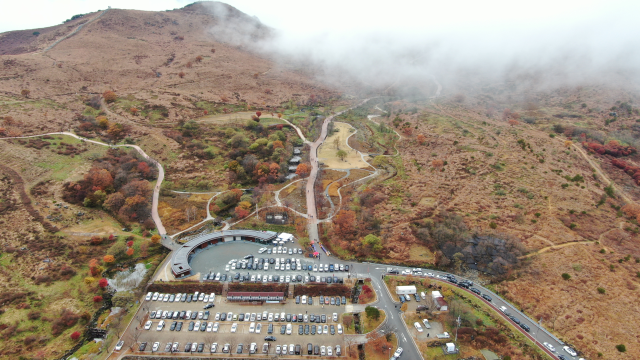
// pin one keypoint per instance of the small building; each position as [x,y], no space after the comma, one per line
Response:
[293,168]
[296,151]
[295,160]
[441,305]
[406,290]
[285,237]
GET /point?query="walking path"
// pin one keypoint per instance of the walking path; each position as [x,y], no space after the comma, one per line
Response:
[74,31]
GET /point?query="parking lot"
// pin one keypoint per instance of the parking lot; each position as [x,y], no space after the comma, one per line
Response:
[244,333]
[221,259]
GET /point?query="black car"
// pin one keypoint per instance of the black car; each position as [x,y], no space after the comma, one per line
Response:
[236,276]
[297,352]
[309,349]
[239,348]
[300,329]
[189,298]
[241,317]
[293,266]
[200,347]
[392,271]
[248,256]
[224,277]
[272,261]
[525,327]
[283,329]
[223,316]
[475,290]
[203,326]
[306,329]
[323,318]
[209,306]
[300,318]
[417,297]
[337,300]
[298,299]
[191,325]
[179,326]
[562,357]
[184,298]
[312,318]
[270,329]
[142,346]
[299,278]
[316,350]
[260,267]
[250,266]
[344,300]
[332,329]
[194,315]
[401,297]
[486,297]
[313,329]
[269,338]
[312,278]
[515,320]
[187,347]
[173,326]
[310,300]
[288,317]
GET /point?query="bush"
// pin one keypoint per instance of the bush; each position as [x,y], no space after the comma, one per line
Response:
[109,96]
[36,33]
[372,312]
[75,335]
[493,225]
[601,290]
[621,348]
[103,283]
[97,299]
[566,276]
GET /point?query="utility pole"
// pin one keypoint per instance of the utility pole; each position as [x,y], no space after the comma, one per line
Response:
[458,322]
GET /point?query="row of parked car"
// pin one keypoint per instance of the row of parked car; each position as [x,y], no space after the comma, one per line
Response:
[326,300]
[197,296]
[291,349]
[281,278]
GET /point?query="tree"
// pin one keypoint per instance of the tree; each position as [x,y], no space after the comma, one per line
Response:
[181,74]
[134,111]
[372,243]
[421,139]
[75,335]
[341,154]
[372,312]
[116,131]
[109,96]
[566,276]
[102,121]
[241,212]
[407,131]
[108,259]
[279,115]
[258,113]
[302,170]
[103,283]
[97,299]
[156,238]
[513,122]
[89,280]
[199,58]
[129,251]
[25,92]
[347,320]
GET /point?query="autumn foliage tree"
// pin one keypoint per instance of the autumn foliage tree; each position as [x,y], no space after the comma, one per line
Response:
[25,92]
[303,170]
[103,283]
[109,96]
[97,299]
[129,251]
[199,58]
[75,335]
[421,139]
[181,74]
[108,259]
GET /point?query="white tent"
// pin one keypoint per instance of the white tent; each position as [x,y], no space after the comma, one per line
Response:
[285,237]
[451,348]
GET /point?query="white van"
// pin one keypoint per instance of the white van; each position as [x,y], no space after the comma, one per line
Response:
[423,295]
[503,309]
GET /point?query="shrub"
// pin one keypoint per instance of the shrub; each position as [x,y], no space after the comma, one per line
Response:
[372,312]
[103,283]
[493,225]
[621,348]
[75,335]
[601,290]
[33,315]
[181,74]
[566,276]
[97,299]
[35,33]
[109,96]
[108,258]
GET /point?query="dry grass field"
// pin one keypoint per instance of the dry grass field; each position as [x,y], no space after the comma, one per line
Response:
[328,150]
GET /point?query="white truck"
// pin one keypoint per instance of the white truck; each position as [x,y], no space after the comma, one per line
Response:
[443,335]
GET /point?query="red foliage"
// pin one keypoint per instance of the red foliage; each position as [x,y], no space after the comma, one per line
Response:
[258,113]
[130,243]
[631,170]
[66,320]
[96,240]
[97,299]
[303,170]
[103,283]
[111,237]
[129,251]
[407,131]
[612,148]
[279,126]
[76,334]
[241,212]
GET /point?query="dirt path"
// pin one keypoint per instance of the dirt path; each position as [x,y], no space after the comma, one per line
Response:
[74,31]
[156,189]
[555,247]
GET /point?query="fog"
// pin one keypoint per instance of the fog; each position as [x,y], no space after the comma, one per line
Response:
[460,43]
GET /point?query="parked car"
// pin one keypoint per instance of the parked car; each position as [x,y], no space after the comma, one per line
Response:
[549,346]
[417,326]
[119,345]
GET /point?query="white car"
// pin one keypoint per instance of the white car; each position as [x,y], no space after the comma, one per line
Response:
[215,327]
[266,266]
[253,316]
[209,327]
[339,329]
[195,296]
[288,267]
[214,347]
[119,345]
[289,327]
[160,325]
[287,279]
[166,298]
[319,329]
[206,298]
[234,327]
[291,349]
[147,326]
[303,300]
[397,353]
[258,316]
[326,267]
[329,351]
[282,317]
[155,296]
[175,347]
[426,323]
[149,296]
[323,350]
[430,275]
[216,318]
[252,328]
[258,328]
[549,346]
[290,251]
[570,351]
[270,318]
[212,297]
[178,297]
[156,346]
[253,278]
[417,326]
[226,268]
[335,317]
[201,297]
[315,267]
[262,250]
[277,349]
[200,315]
[197,326]
[188,315]
[277,266]
[406,272]
[247,316]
